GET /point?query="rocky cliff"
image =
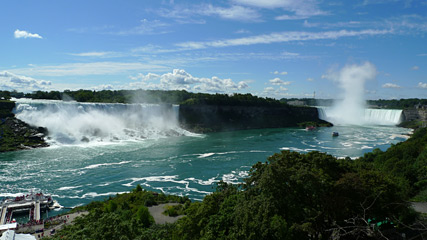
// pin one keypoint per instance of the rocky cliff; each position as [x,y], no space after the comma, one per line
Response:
[16,134]
[415,114]
[214,118]
[414,117]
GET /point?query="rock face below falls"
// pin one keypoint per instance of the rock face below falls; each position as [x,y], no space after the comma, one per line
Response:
[16,134]
[214,118]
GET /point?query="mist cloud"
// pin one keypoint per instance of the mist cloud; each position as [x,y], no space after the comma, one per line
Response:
[351,80]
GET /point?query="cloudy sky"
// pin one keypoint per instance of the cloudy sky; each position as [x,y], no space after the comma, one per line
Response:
[274,48]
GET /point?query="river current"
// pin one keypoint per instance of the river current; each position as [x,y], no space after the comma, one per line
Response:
[181,163]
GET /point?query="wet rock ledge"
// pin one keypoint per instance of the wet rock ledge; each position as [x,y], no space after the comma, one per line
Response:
[16,134]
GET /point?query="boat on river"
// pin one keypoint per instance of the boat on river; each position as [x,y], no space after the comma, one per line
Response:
[335,134]
[310,128]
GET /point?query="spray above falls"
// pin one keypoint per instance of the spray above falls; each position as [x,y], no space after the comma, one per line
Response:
[81,123]
[351,108]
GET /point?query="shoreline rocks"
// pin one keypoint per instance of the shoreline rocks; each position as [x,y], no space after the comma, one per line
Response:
[16,134]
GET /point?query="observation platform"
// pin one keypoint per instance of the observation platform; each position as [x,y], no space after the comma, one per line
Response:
[31,203]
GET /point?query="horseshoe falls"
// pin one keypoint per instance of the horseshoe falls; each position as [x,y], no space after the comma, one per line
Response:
[364,116]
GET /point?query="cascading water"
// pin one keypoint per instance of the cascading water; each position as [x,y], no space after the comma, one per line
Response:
[366,117]
[81,123]
[351,109]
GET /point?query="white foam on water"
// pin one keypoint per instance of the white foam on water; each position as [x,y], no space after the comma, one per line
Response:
[95,194]
[394,136]
[235,176]
[68,188]
[209,182]
[156,179]
[205,155]
[11,195]
[105,164]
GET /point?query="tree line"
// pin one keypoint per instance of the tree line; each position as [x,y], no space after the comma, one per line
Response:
[147,96]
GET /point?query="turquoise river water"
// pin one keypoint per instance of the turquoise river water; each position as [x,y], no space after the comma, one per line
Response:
[180,163]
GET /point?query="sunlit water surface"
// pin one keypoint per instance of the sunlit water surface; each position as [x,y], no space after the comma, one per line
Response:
[182,165]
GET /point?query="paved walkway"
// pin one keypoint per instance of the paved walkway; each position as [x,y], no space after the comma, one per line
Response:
[69,220]
[155,211]
[159,217]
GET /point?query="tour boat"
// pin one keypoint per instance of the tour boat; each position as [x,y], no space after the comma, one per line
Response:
[310,128]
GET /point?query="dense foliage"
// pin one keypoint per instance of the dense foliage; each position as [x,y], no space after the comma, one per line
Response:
[6,108]
[124,216]
[406,160]
[148,96]
[299,196]
[398,104]
[290,196]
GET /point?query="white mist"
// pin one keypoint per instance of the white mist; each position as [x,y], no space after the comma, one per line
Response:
[82,123]
[351,80]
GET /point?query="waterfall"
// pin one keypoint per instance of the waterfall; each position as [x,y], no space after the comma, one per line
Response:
[383,116]
[82,123]
[368,116]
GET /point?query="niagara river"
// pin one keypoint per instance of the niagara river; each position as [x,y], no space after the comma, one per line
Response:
[99,150]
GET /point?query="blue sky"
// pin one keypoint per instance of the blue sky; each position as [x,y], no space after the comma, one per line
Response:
[276,48]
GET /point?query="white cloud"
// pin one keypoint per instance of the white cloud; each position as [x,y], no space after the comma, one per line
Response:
[280,73]
[94,68]
[422,85]
[234,13]
[25,34]
[300,8]
[413,23]
[278,81]
[390,85]
[184,15]
[103,87]
[349,24]
[269,89]
[272,92]
[144,78]
[10,81]
[415,68]
[146,27]
[92,54]
[310,79]
[291,17]
[242,31]
[180,79]
[281,37]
